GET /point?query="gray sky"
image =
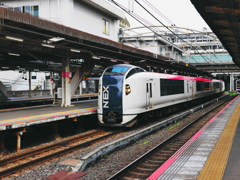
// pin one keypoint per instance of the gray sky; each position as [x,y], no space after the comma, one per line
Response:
[180,12]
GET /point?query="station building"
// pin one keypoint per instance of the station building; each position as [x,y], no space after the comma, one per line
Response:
[97,17]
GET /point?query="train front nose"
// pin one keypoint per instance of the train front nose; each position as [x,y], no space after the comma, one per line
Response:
[112,101]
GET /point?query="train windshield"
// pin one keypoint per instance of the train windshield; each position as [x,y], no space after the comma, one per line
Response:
[116,71]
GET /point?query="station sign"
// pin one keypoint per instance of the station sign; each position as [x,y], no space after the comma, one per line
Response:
[76,61]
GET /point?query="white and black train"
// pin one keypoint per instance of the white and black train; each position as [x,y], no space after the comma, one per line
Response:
[127,93]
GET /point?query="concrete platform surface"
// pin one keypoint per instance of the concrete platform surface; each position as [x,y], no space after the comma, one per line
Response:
[206,155]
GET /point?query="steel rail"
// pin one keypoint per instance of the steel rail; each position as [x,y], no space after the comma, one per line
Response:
[137,161]
[51,146]
[12,170]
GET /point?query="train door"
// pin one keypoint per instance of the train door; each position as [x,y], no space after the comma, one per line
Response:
[192,88]
[149,93]
[189,90]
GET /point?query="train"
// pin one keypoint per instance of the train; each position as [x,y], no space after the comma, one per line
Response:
[128,93]
[238,85]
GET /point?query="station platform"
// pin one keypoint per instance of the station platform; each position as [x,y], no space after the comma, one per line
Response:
[21,117]
[44,99]
[211,154]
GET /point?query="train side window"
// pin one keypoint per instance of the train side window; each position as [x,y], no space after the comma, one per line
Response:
[199,85]
[131,72]
[216,85]
[206,86]
[140,70]
[237,85]
[171,86]
[134,71]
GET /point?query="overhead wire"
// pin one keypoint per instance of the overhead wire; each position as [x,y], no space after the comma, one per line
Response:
[159,13]
[140,19]
[135,17]
[165,25]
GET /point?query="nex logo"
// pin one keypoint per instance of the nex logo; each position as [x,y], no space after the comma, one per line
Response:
[105,97]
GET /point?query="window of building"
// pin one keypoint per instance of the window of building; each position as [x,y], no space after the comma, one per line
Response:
[19,9]
[27,9]
[35,10]
[32,10]
[106,26]
[171,86]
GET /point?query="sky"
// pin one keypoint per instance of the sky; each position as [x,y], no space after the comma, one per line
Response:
[180,12]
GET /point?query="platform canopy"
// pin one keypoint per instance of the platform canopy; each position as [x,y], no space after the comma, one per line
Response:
[32,43]
[223,18]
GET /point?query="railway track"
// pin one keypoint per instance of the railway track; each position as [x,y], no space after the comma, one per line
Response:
[145,165]
[18,162]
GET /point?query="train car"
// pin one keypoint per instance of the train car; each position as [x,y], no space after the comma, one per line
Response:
[127,93]
[238,85]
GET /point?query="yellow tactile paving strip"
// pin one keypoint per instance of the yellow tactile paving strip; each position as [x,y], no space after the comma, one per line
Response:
[215,166]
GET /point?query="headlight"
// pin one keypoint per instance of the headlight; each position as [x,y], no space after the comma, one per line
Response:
[99,89]
[128,89]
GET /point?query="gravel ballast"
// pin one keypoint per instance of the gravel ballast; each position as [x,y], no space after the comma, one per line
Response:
[109,164]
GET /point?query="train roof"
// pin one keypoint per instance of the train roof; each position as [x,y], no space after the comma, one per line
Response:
[180,77]
[123,65]
[170,76]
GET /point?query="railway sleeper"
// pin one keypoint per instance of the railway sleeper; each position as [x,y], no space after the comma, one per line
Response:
[156,161]
[158,157]
[178,141]
[184,139]
[129,178]
[176,145]
[166,152]
[173,148]
[145,169]
[137,173]
[150,165]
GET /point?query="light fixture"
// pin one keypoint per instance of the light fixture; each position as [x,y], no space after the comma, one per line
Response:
[96,57]
[13,54]
[14,38]
[97,66]
[5,67]
[47,45]
[56,39]
[75,50]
